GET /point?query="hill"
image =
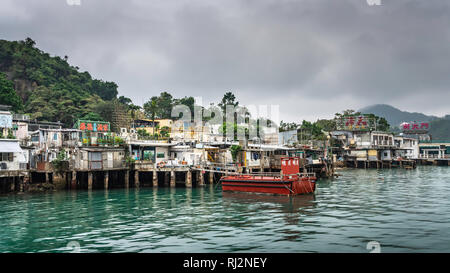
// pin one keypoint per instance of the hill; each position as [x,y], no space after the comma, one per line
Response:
[394,115]
[439,127]
[48,87]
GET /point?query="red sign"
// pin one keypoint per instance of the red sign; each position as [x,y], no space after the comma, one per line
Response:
[415,127]
[93,126]
[355,123]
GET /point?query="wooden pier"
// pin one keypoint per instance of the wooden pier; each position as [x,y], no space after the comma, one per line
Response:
[33,180]
[380,164]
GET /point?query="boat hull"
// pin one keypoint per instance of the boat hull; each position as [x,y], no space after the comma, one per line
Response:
[303,185]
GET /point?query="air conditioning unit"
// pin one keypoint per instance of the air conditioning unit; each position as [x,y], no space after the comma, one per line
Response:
[123,130]
[133,131]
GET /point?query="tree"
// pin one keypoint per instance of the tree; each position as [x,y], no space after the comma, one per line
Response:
[58,162]
[30,42]
[228,99]
[131,108]
[287,126]
[165,131]
[380,123]
[59,91]
[314,129]
[7,94]
[142,133]
[124,100]
[105,110]
[165,104]
[235,149]
[327,125]
[92,116]
[188,101]
[151,108]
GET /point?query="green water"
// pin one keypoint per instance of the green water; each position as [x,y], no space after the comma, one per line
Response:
[403,210]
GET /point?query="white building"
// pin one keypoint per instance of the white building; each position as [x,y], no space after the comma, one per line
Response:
[408,147]
[12,157]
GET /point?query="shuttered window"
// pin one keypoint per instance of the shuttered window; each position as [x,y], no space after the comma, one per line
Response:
[6,156]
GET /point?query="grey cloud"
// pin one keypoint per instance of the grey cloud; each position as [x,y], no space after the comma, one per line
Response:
[313,57]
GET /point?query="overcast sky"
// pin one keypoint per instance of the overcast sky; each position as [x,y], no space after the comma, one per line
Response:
[311,57]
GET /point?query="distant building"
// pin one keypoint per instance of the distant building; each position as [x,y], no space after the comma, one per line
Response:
[434,149]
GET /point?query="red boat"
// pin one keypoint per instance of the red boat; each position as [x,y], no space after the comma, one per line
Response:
[289,181]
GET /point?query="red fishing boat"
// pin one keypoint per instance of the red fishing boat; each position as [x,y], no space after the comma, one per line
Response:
[289,181]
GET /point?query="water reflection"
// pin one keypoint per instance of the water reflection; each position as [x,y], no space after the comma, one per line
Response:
[290,207]
[403,210]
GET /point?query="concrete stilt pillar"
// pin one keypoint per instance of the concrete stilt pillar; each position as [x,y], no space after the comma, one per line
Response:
[106,180]
[172,179]
[155,178]
[166,178]
[127,179]
[73,182]
[47,179]
[26,180]
[136,179]
[189,179]
[90,180]
[13,183]
[200,179]
[211,177]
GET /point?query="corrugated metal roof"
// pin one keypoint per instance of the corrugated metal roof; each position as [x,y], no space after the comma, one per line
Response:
[7,146]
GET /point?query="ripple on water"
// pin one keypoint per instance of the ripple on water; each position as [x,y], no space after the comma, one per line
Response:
[406,211]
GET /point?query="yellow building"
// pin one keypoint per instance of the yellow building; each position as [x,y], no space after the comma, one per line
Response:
[161,125]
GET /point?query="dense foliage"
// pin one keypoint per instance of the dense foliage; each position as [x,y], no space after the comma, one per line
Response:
[7,94]
[440,129]
[49,88]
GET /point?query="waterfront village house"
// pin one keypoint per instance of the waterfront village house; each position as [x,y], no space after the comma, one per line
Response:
[258,156]
[5,120]
[48,143]
[270,136]
[434,149]
[23,127]
[98,147]
[20,127]
[197,154]
[406,147]
[147,125]
[363,146]
[194,131]
[149,152]
[12,157]
[288,137]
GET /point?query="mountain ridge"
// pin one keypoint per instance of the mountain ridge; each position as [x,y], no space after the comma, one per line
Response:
[396,116]
[439,126]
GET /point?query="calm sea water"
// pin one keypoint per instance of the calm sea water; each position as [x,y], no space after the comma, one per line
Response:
[402,210]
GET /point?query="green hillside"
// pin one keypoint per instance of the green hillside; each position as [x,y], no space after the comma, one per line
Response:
[394,115]
[48,87]
[439,127]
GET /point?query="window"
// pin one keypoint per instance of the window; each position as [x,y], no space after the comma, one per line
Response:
[6,156]
[160,155]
